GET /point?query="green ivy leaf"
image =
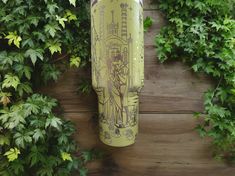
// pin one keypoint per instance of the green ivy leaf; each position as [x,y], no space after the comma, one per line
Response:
[75,61]
[66,156]
[54,47]
[73,2]
[11,120]
[13,38]
[24,88]
[87,156]
[53,121]
[45,171]
[17,166]
[4,1]
[34,54]
[31,108]
[70,16]
[23,138]
[148,22]
[36,155]
[12,154]
[23,70]
[5,98]
[233,91]
[52,29]
[52,7]
[83,171]
[4,140]
[38,133]
[50,72]
[11,80]
[61,20]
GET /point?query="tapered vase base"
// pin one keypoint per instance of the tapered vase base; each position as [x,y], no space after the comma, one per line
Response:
[117,143]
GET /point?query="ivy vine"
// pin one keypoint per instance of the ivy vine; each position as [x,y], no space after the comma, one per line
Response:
[202,34]
[38,40]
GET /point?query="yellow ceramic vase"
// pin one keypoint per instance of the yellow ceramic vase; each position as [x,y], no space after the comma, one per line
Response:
[117,67]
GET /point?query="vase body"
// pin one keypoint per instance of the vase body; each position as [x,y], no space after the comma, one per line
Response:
[117,47]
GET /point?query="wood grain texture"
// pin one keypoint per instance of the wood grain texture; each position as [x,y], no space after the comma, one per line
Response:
[148,5]
[167,144]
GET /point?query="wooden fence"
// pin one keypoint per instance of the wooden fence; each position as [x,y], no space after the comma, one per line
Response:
[167,144]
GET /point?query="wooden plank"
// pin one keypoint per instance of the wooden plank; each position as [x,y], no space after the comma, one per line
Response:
[149,5]
[167,145]
[158,23]
[168,169]
[171,87]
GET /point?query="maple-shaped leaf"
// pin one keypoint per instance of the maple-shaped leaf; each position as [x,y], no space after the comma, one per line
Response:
[10,80]
[51,29]
[38,133]
[36,155]
[33,20]
[53,121]
[12,154]
[4,1]
[148,22]
[12,119]
[73,2]
[23,138]
[17,167]
[34,54]
[61,20]
[4,140]
[233,91]
[83,171]
[13,38]
[66,156]
[31,108]
[45,171]
[70,16]
[5,98]
[54,46]
[39,36]
[52,7]
[75,61]
[24,88]
[23,70]
[28,42]
[50,72]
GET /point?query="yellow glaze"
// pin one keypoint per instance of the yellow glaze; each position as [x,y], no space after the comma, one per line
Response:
[117,67]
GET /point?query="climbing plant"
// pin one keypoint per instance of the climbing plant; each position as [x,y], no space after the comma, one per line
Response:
[36,36]
[202,34]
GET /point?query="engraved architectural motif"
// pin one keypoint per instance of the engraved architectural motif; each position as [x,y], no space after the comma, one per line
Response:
[117,67]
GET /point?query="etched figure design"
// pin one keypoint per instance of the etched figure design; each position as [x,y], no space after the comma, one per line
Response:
[114,69]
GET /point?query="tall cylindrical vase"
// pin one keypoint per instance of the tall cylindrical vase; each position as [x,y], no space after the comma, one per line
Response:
[117,67]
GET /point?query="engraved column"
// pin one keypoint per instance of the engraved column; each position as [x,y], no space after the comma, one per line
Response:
[117,67]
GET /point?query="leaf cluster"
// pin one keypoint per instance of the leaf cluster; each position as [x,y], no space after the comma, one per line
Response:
[34,36]
[202,34]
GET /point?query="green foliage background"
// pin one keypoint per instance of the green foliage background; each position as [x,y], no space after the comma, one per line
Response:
[202,34]
[37,37]
[38,40]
